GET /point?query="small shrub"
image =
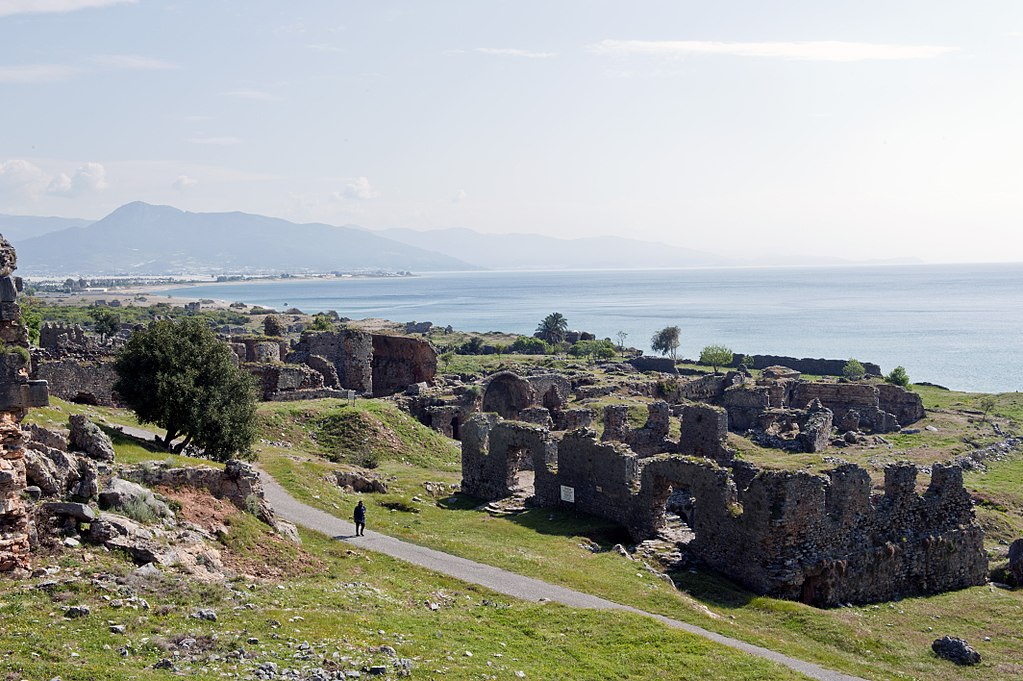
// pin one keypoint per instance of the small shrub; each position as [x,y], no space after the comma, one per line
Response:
[898,376]
[253,505]
[139,510]
[526,345]
[853,370]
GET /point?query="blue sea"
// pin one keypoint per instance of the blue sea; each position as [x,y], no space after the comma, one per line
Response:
[956,325]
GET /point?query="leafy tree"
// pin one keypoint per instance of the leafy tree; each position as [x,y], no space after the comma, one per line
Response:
[105,322]
[553,328]
[525,345]
[898,376]
[473,346]
[273,325]
[716,356]
[853,370]
[987,405]
[621,336]
[666,341]
[179,376]
[32,320]
[594,349]
[321,322]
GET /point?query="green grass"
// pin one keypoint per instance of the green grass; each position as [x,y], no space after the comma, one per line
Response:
[551,545]
[346,607]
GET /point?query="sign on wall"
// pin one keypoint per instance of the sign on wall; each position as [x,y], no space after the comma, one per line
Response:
[568,494]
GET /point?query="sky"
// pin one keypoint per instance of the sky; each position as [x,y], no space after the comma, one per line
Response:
[868,129]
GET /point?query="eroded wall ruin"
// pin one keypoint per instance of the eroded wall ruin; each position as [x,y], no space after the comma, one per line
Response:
[822,539]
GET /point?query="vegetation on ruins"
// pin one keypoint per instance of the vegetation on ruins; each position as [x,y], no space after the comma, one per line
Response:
[553,328]
[105,321]
[716,356]
[527,345]
[853,370]
[273,325]
[666,341]
[321,322]
[179,376]
[898,376]
[594,349]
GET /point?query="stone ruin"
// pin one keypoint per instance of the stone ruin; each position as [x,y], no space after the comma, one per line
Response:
[824,539]
[74,365]
[17,394]
[322,364]
[370,364]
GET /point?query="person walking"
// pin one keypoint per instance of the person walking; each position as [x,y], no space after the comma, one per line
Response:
[360,519]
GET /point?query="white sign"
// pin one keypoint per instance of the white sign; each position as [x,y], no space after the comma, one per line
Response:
[568,494]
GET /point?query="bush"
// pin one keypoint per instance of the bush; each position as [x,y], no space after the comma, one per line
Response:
[898,376]
[138,510]
[473,346]
[595,349]
[525,345]
[853,370]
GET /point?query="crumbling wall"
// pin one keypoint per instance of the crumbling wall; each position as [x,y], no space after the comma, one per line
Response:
[276,381]
[350,351]
[87,381]
[806,365]
[494,451]
[17,394]
[506,394]
[62,338]
[821,539]
[704,432]
[850,403]
[646,441]
[400,361]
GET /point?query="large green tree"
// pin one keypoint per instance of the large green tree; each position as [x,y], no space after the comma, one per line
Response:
[179,376]
[553,328]
[716,356]
[666,341]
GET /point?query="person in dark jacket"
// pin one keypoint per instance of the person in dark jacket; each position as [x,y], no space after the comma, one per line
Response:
[360,519]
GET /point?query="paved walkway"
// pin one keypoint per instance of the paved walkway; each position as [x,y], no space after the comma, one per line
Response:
[502,581]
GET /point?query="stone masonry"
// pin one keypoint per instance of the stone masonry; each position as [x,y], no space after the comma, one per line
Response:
[821,539]
[17,394]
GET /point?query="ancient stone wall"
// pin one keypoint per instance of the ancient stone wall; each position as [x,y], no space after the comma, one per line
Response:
[664,365]
[350,351]
[704,431]
[646,441]
[17,394]
[506,394]
[57,337]
[819,367]
[275,380]
[850,402]
[821,539]
[87,381]
[400,361]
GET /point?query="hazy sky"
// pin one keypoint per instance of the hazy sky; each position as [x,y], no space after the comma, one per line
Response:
[865,129]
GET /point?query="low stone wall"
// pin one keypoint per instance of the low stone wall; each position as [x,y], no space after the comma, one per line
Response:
[807,365]
[238,483]
[400,361]
[79,380]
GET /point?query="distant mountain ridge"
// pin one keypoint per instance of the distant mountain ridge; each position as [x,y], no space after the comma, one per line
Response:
[17,228]
[139,238]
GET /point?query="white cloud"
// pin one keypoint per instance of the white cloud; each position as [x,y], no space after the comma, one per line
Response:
[184,183]
[215,141]
[459,196]
[512,52]
[359,189]
[18,176]
[323,47]
[133,62]
[88,178]
[36,73]
[11,7]
[827,50]
[250,94]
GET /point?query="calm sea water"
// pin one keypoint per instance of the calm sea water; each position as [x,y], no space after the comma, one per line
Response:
[956,325]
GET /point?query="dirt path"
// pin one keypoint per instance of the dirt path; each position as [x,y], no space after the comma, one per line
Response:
[502,581]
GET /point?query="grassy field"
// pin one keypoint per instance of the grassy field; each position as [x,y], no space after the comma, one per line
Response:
[339,610]
[303,443]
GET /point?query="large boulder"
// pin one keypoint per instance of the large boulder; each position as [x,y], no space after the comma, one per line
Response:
[955,650]
[1016,562]
[121,494]
[360,481]
[87,437]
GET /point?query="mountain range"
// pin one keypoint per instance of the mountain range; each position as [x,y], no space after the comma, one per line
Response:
[143,239]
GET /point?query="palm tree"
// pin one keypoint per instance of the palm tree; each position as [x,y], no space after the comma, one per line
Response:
[553,328]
